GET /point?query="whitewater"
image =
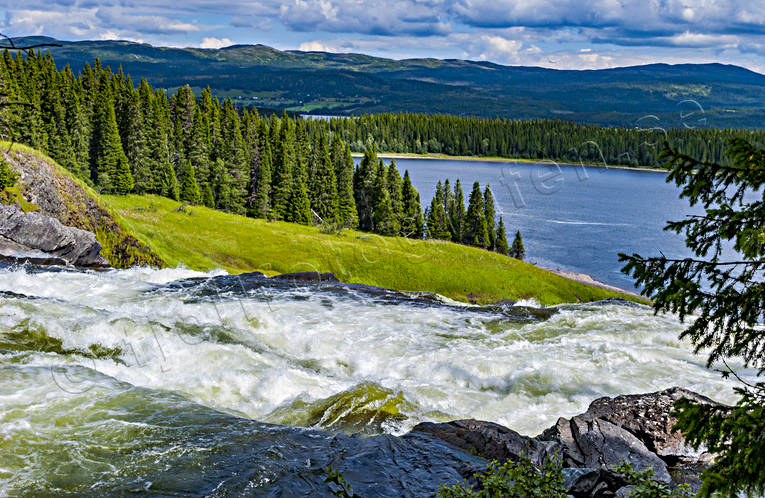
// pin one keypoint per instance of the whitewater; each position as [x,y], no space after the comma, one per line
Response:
[170,380]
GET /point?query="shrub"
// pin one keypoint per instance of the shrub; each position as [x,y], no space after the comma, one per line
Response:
[643,485]
[8,177]
[519,479]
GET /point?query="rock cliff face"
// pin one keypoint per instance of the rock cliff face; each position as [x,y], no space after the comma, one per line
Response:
[56,195]
[41,239]
[634,429]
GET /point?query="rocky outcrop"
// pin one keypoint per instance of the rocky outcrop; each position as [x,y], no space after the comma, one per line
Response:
[40,239]
[57,195]
[634,429]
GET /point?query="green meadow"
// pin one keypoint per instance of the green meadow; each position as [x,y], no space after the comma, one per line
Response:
[205,239]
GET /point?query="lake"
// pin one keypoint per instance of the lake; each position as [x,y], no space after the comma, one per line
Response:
[572,218]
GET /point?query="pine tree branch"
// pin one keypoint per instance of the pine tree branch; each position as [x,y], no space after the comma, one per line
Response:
[13,46]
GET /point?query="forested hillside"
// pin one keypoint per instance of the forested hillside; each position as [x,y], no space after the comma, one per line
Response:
[125,139]
[356,84]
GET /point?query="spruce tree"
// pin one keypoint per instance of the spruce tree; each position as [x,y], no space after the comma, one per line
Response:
[134,141]
[298,205]
[199,148]
[183,105]
[252,144]
[477,232]
[234,154]
[302,151]
[449,208]
[458,216]
[122,178]
[221,185]
[721,287]
[489,209]
[107,146]
[189,188]
[262,204]
[394,185]
[500,238]
[281,176]
[208,199]
[363,187]
[78,124]
[437,226]
[411,220]
[517,250]
[343,164]
[323,189]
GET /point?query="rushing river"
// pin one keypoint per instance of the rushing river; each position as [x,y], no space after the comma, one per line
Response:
[572,218]
[171,381]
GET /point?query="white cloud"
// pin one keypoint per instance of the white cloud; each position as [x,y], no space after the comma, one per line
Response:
[211,42]
[501,49]
[316,46]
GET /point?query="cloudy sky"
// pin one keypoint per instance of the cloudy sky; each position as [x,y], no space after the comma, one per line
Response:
[551,33]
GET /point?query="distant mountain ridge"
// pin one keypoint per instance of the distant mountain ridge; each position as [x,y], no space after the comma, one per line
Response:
[708,95]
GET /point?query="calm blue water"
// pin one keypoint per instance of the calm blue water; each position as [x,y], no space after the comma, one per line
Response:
[571,218]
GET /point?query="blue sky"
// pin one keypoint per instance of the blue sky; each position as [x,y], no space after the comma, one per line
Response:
[574,34]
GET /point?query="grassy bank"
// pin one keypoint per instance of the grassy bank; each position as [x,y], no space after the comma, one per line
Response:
[205,239]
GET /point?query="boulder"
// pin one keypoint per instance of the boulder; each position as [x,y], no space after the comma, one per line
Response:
[40,237]
[17,253]
[634,429]
[648,417]
[606,446]
[489,440]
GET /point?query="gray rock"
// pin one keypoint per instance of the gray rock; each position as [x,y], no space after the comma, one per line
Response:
[605,445]
[624,492]
[634,429]
[648,417]
[561,432]
[580,481]
[17,253]
[31,232]
[489,440]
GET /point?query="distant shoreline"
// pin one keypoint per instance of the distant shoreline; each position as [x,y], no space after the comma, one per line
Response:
[495,159]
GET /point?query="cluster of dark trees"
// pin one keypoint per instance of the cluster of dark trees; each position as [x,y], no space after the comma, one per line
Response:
[447,219]
[386,203]
[126,139]
[556,140]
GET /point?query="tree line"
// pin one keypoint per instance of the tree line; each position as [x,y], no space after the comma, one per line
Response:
[121,138]
[557,140]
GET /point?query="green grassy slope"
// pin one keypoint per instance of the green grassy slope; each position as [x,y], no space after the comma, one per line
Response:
[205,239]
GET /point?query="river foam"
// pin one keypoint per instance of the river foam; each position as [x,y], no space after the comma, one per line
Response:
[114,376]
[281,354]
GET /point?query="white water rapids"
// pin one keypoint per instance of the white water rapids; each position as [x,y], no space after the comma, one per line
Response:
[301,355]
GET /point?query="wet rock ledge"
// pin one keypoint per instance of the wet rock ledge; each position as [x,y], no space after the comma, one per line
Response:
[636,429]
[39,239]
